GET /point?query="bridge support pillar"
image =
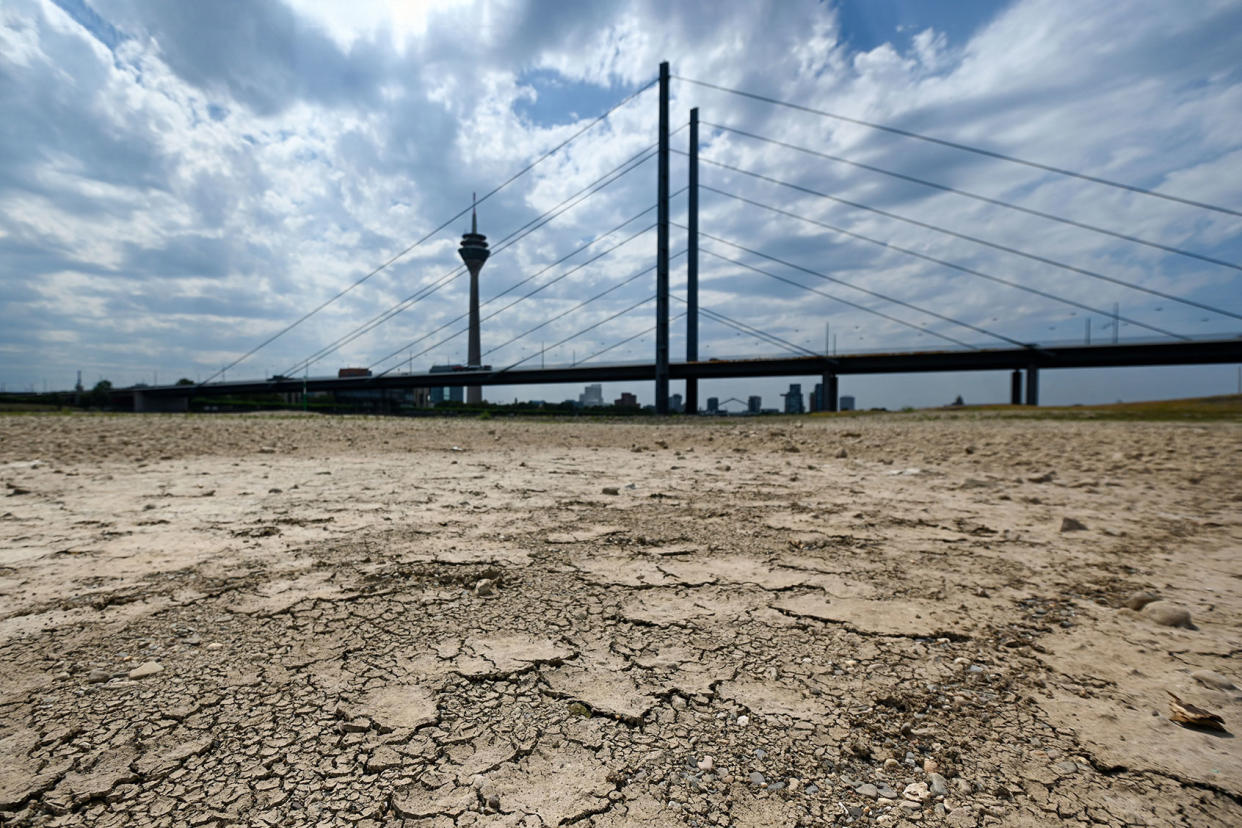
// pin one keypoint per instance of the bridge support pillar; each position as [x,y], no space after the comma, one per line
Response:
[144,403]
[1032,385]
[1015,388]
[692,265]
[661,333]
[830,392]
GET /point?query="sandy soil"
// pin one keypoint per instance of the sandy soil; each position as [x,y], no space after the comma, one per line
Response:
[325,621]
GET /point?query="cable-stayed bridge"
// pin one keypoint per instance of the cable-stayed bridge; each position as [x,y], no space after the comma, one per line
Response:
[967,341]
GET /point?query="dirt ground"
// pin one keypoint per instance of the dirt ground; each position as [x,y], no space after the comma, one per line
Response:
[283,620]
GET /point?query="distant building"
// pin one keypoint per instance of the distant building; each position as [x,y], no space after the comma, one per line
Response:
[675,404]
[592,396]
[713,405]
[817,398]
[793,399]
[453,393]
[353,372]
[754,404]
[626,400]
[847,403]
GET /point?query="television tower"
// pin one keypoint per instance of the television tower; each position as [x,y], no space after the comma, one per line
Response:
[474,253]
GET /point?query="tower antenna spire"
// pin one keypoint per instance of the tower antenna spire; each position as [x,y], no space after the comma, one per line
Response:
[474,216]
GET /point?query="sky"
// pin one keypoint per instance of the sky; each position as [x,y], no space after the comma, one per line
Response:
[179,182]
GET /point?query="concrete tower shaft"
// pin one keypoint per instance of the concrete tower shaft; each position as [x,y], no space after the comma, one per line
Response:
[474,253]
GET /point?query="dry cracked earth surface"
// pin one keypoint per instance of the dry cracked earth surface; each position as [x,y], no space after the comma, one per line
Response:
[373,622]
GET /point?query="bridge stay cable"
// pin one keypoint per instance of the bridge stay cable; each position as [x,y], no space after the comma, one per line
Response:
[873,311]
[750,330]
[976,240]
[961,268]
[905,133]
[383,266]
[628,339]
[842,282]
[616,173]
[978,197]
[579,306]
[519,284]
[587,329]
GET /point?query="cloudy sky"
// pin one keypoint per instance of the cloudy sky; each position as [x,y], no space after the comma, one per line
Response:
[180,181]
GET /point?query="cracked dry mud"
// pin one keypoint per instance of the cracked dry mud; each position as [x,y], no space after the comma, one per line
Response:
[279,621]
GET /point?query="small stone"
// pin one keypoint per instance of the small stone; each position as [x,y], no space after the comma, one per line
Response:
[1213,679]
[891,764]
[1069,524]
[937,784]
[742,721]
[611,490]
[756,778]
[867,790]
[842,454]
[484,588]
[215,645]
[916,792]
[1138,600]
[887,792]
[1168,614]
[678,703]
[147,668]
[96,676]
[1065,767]
[706,764]
[931,765]
[577,708]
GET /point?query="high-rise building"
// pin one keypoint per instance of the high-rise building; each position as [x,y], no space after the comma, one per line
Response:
[754,404]
[847,403]
[627,400]
[474,253]
[817,398]
[675,404]
[793,399]
[592,396]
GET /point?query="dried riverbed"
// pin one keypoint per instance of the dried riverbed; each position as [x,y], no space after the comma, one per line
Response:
[883,620]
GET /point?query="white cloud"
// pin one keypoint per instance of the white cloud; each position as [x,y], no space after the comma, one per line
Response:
[230,166]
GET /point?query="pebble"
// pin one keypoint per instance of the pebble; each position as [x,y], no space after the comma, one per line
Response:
[1168,614]
[147,668]
[1138,600]
[611,490]
[215,645]
[891,764]
[742,721]
[1208,678]
[867,789]
[937,784]
[1069,524]
[756,778]
[916,792]
[485,587]
[706,764]
[931,765]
